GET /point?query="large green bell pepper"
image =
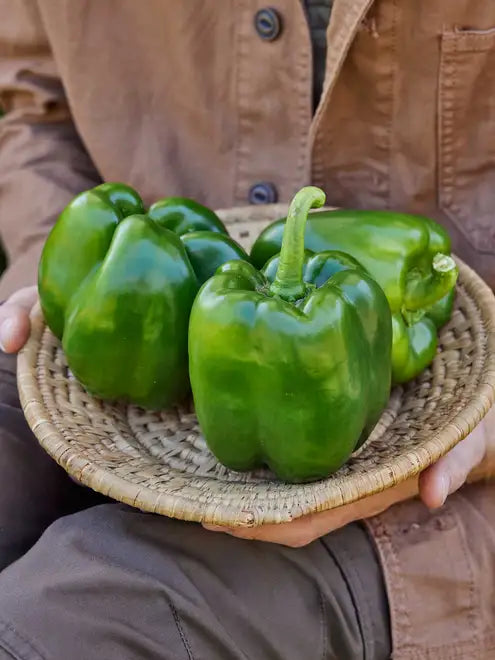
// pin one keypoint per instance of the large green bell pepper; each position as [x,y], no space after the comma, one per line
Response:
[294,372]
[409,256]
[117,284]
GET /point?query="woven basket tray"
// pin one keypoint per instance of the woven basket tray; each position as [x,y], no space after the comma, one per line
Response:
[159,461]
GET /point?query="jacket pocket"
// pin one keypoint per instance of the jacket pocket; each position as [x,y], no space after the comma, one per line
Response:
[466,133]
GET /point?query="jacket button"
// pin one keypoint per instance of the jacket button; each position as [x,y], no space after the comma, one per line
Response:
[268,23]
[263,193]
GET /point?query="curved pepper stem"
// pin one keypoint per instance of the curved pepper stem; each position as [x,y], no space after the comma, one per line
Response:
[289,284]
[423,292]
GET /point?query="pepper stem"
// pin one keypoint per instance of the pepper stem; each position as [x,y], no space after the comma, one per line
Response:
[288,283]
[422,292]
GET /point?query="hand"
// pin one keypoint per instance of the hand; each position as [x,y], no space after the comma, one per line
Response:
[14,319]
[471,459]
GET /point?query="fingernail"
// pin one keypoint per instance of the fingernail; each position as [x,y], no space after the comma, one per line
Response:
[444,489]
[6,331]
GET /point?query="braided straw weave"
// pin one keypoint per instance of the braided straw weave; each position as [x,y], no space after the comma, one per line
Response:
[159,461]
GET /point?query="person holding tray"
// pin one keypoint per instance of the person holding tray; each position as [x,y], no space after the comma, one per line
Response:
[383,104]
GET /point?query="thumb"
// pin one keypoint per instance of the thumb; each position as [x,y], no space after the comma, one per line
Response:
[450,472]
[14,319]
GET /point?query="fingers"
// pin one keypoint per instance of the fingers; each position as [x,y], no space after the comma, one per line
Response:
[306,529]
[450,472]
[14,319]
[293,534]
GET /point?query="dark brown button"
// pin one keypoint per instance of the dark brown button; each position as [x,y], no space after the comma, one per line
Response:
[268,23]
[263,193]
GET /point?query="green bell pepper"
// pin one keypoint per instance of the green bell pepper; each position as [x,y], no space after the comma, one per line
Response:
[290,368]
[409,257]
[116,285]
[183,216]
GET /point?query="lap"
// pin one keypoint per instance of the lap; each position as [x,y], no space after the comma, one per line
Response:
[119,583]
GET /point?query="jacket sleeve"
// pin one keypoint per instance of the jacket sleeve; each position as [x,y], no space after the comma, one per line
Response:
[43,163]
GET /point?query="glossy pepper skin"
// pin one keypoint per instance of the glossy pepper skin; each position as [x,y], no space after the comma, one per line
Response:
[409,257]
[116,286]
[183,216]
[290,368]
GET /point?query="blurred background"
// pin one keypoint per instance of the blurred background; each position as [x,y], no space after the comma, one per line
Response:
[3,259]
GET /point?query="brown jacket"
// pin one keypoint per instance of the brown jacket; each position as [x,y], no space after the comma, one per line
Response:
[184,97]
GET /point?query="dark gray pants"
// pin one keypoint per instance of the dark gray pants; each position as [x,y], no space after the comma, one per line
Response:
[106,581]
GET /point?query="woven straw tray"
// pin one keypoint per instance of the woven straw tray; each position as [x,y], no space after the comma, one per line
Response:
[159,462]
